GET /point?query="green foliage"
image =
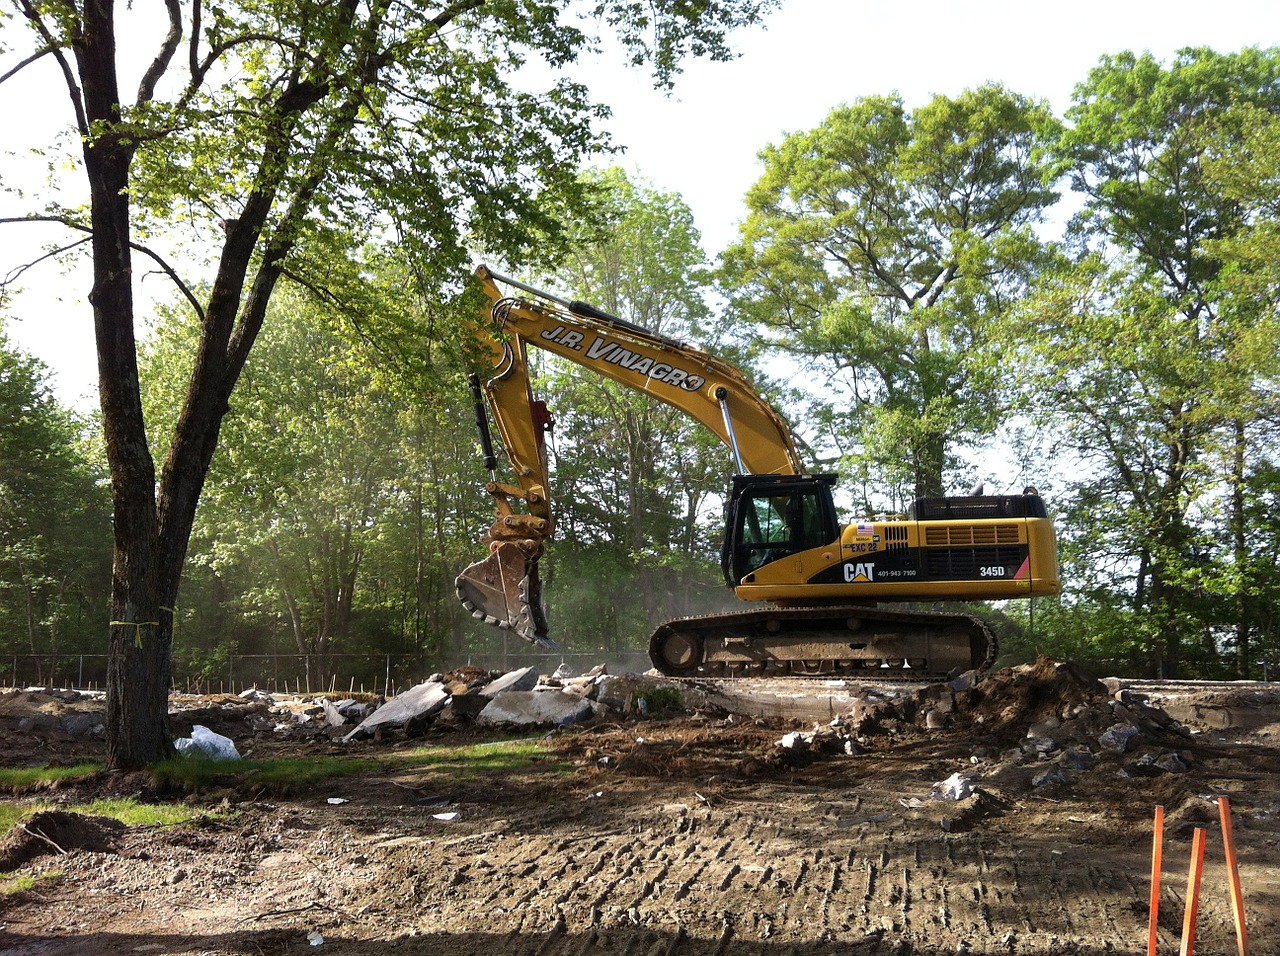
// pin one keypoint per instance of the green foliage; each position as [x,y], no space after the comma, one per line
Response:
[1154,360]
[336,511]
[26,883]
[54,518]
[662,701]
[11,813]
[880,248]
[137,814]
[634,478]
[283,140]
[199,773]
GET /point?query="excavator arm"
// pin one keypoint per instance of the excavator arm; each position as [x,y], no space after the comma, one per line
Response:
[504,589]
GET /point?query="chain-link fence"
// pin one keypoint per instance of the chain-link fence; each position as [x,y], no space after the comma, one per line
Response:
[336,673]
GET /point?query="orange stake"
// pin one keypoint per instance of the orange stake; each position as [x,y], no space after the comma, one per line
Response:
[1193,893]
[1157,850]
[1233,876]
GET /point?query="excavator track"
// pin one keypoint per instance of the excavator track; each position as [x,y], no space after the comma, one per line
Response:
[847,641]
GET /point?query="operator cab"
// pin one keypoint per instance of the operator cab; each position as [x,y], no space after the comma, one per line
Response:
[771,516]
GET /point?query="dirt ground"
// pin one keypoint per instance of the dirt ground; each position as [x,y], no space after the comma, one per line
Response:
[699,833]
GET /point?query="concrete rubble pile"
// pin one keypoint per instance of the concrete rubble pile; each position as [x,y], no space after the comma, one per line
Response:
[1035,725]
[519,698]
[468,695]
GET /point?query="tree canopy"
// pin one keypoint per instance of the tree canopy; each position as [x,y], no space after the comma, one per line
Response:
[879,248]
[276,140]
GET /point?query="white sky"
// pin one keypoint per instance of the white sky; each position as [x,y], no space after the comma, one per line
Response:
[701,140]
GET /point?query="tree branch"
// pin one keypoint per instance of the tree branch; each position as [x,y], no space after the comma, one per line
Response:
[45,51]
[54,47]
[70,223]
[17,271]
[147,88]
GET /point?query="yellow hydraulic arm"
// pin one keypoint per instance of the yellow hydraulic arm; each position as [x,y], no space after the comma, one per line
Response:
[503,589]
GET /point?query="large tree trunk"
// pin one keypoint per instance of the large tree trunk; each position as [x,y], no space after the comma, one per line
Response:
[139,652]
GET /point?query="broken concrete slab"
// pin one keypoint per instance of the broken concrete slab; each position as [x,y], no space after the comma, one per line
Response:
[526,678]
[417,703]
[535,708]
[333,717]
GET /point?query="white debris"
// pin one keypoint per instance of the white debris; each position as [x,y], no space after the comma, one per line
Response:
[796,741]
[958,786]
[205,741]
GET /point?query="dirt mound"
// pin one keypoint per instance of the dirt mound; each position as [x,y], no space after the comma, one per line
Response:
[56,831]
[1046,699]
[1010,701]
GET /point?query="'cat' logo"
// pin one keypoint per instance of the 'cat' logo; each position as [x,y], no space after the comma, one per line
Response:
[854,573]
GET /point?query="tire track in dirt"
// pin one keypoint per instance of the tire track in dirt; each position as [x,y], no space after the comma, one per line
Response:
[702,883]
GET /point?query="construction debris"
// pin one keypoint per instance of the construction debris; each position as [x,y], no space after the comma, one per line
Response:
[205,741]
[415,706]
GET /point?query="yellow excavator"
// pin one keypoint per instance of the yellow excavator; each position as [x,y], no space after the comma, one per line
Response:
[821,582]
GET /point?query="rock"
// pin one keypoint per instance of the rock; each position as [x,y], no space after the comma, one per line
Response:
[1076,759]
[78,725]
[526,678]
[1172,763]
[1039,746]
[36,723]
[415,704]
[969,811]
[471,701]
[354,710]
[1043,728]
[935,719]
[1116,737]
[795,741]
[534,708]
[581,686]
[1050,776]
[332,716]
[958,786]
[469,704]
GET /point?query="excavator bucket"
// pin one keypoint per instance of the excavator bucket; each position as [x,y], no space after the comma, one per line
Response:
[504,590]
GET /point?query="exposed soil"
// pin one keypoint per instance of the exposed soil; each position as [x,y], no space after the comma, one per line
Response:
[697,834]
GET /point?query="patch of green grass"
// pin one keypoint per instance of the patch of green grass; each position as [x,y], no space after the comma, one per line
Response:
[135,814]
[11,813]
[19,779]
[127,810]
[12,885]
[195,773]
[287,776]
[493,757]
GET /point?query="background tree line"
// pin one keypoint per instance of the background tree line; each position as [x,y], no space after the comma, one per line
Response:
[901,286]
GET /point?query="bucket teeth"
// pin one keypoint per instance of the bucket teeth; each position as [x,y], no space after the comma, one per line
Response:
[504,591]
